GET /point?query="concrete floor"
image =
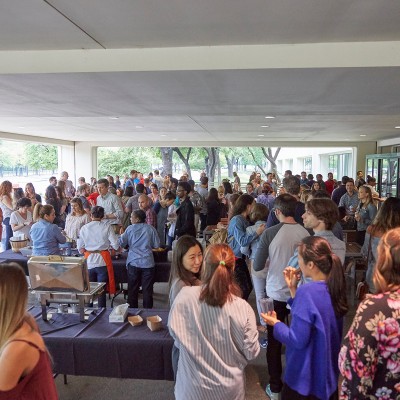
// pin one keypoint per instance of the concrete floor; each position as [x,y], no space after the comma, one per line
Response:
[93,388]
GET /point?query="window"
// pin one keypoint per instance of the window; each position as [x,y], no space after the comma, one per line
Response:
[307,164]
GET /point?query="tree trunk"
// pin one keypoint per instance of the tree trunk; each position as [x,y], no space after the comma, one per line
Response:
[184,159]
[271,158]
[229,162]
[166,155]
[212,163]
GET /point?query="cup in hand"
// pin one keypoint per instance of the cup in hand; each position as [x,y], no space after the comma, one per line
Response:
[266,304]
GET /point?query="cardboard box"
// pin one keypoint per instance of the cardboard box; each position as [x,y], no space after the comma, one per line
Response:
[154,323]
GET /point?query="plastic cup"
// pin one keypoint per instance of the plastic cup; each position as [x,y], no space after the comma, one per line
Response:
[266,304]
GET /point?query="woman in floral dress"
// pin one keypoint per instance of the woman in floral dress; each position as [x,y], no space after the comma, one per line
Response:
[370,357]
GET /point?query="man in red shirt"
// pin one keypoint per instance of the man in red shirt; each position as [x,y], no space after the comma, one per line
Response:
[330,183]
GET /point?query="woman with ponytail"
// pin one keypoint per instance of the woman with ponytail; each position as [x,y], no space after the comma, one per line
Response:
[313,338]
[215,331]
[370,357]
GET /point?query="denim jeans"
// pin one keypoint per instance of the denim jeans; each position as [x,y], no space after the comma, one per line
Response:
[99,274]
[8,233]
[143,277]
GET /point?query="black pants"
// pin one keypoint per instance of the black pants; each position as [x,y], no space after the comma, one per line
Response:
[360,237]
[243,278]
[274,349]
[143,277]
[290,394]
[203,222]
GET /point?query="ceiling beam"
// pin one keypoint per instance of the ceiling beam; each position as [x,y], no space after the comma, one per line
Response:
[315,55]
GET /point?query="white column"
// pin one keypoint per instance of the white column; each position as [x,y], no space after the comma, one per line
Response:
[66,161]
[85,160]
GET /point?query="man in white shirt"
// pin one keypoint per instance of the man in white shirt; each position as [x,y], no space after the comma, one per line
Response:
[94,240]
[113,212]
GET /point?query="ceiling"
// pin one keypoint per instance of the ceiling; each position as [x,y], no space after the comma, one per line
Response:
[193,72]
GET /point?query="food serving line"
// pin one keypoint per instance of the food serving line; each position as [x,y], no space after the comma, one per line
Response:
[92,342]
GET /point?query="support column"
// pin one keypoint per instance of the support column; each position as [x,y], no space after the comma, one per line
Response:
[85,160]
[66,161]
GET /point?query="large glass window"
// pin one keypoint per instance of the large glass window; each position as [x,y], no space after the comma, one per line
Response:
[307,164]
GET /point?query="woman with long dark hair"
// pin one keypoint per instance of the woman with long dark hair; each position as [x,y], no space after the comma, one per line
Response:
[214,207]
[238,237]
[313,338]
[215,332]
[370,357]
[31,194]
[53,200]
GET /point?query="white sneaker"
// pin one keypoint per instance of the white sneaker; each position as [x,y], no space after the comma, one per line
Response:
[272,395]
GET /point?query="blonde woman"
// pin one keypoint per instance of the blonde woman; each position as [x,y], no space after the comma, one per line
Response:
[365,212]
[24,362]
[76,219]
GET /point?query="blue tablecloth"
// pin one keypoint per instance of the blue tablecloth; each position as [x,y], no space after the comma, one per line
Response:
[162,267]
[99,348]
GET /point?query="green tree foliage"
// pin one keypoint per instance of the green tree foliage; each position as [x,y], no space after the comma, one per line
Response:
[121,160]
[41,156]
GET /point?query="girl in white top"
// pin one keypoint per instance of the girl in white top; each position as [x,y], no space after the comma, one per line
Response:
[21,220]
[215,332]
[76,219]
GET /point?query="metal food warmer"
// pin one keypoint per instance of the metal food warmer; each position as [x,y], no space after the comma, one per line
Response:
[61,280]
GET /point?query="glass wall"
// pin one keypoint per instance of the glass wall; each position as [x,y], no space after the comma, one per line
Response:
[385,168]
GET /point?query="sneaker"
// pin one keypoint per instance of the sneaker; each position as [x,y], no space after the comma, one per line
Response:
[264,343]
[272,395]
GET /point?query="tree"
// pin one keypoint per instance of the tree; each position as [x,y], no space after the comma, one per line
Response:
[120,160]
[211,162]
[184,159]
[258,155]
[166,155]
[271,158]
[41,156]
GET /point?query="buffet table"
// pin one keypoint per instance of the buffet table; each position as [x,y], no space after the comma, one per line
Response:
[161,274]
[99,348]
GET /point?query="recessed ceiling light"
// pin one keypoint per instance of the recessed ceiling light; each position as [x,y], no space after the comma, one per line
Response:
[269,117]
[21,127]
[264,126]
[139,127]
[261,135]
[363,135]
[346,139]
[163,135]
[114,117]
[397,127]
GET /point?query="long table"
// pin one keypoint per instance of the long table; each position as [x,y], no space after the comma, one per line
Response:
[99,348]
[161,274]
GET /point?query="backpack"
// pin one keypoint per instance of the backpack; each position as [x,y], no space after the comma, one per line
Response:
[219,236]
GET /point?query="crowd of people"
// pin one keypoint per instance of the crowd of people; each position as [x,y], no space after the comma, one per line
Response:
[284,238]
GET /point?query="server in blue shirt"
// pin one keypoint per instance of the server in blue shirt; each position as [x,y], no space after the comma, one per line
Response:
[45,235]
[141,239]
